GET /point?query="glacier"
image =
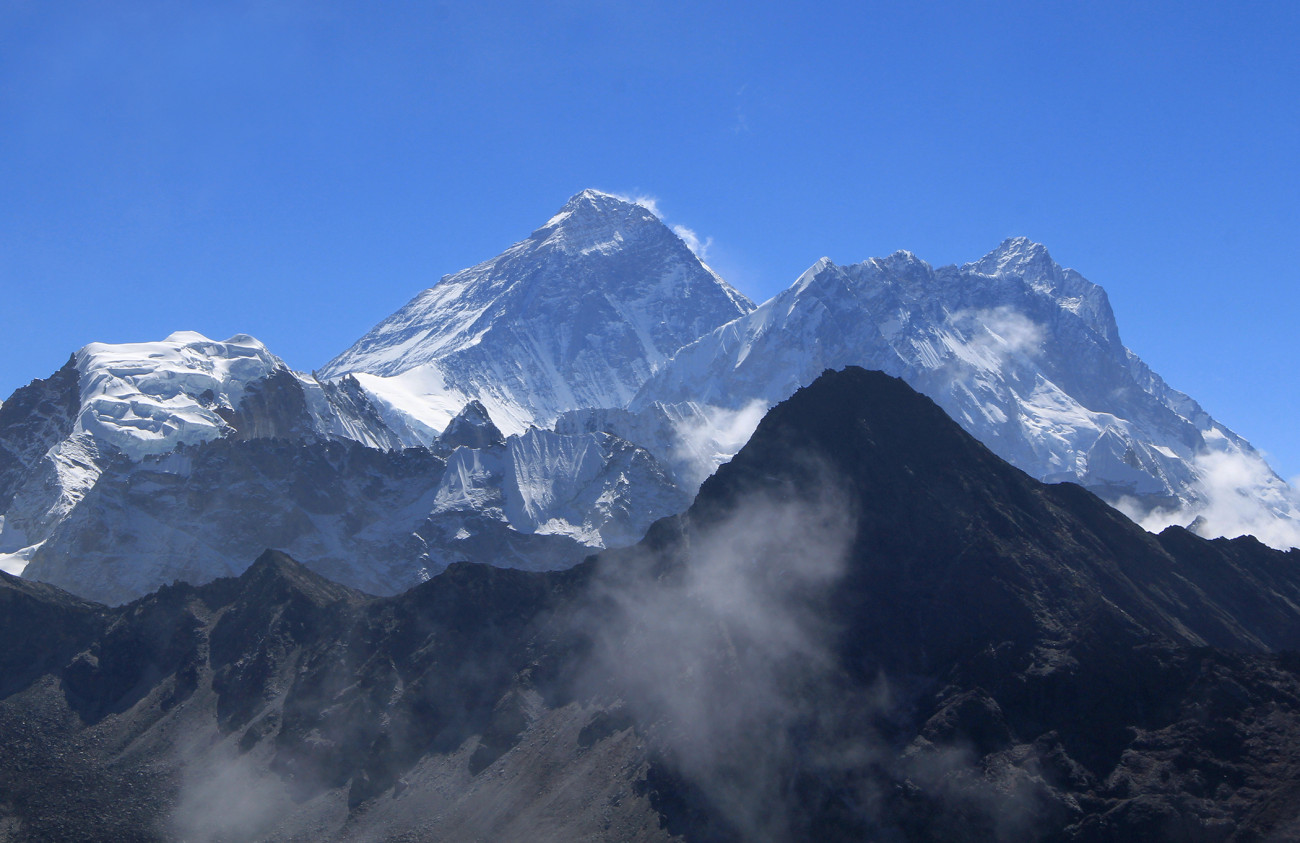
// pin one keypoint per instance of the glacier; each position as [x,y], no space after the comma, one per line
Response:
[140,464]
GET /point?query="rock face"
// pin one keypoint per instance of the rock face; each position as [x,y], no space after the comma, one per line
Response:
[977,656]
[1022,353]
[867,626]
[139,401]
[206,511]
[35,419]
[578,315]
[380,521]
[138,465]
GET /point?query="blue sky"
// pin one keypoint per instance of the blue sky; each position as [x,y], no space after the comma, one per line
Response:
[297,171]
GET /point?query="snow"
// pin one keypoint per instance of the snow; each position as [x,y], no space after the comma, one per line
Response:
[418,398]
[15,561]
[1023,353]
[579,315]
[147,398]
[594,488]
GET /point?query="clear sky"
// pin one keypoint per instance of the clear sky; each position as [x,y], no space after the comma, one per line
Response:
[298,170]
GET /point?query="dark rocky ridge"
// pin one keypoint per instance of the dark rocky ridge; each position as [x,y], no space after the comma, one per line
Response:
[34,418]
[472,427]
[992,659]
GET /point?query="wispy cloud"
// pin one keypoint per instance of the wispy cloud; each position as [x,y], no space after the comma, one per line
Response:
[227,798]
[722,651]
[697,244]
[693,241]
[741,125]
[712,436]
[998,335]
[1239,495]
[650,203]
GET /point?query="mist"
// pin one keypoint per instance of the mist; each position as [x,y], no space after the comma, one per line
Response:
[996,336]
[722,651]
[1239,495]
[225,798]
[709,436]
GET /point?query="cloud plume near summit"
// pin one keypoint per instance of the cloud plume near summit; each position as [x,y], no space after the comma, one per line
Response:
[697,244]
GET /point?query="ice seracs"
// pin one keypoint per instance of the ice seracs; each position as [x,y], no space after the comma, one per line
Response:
[134,401]
[147,398]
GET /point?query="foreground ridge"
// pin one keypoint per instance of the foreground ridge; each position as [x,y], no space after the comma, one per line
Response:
[867,626]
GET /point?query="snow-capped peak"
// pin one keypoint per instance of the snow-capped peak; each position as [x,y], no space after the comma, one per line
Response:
[1014,256]
[472,427]
[147,398]
[593,203]
[1023,353]
[810,274]
[592,220]
[578,315]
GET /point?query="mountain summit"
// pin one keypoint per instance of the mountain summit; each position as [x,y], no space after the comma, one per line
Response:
[1024,354]
[580,314]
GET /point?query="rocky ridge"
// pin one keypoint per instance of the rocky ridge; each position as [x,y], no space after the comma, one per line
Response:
[944,649]
[1024,354]
[578,315]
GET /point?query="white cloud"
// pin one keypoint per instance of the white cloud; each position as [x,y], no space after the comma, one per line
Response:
[650,203]
[693,241]
[997,335]
[1240,495]
[712,436]
[697,244]
[226,798]
[721,651]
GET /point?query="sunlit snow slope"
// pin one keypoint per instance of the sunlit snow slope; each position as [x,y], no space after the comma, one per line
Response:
[578,315]
[1025,355]
[136,400]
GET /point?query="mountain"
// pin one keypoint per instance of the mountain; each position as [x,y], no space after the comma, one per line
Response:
[139,400]
[578,315]
[138,465]
[1024,354]
[866,626]
[380,521]
[141,463]
[896,635]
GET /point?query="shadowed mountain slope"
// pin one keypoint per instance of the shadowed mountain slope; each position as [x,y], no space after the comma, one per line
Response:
[867,626]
